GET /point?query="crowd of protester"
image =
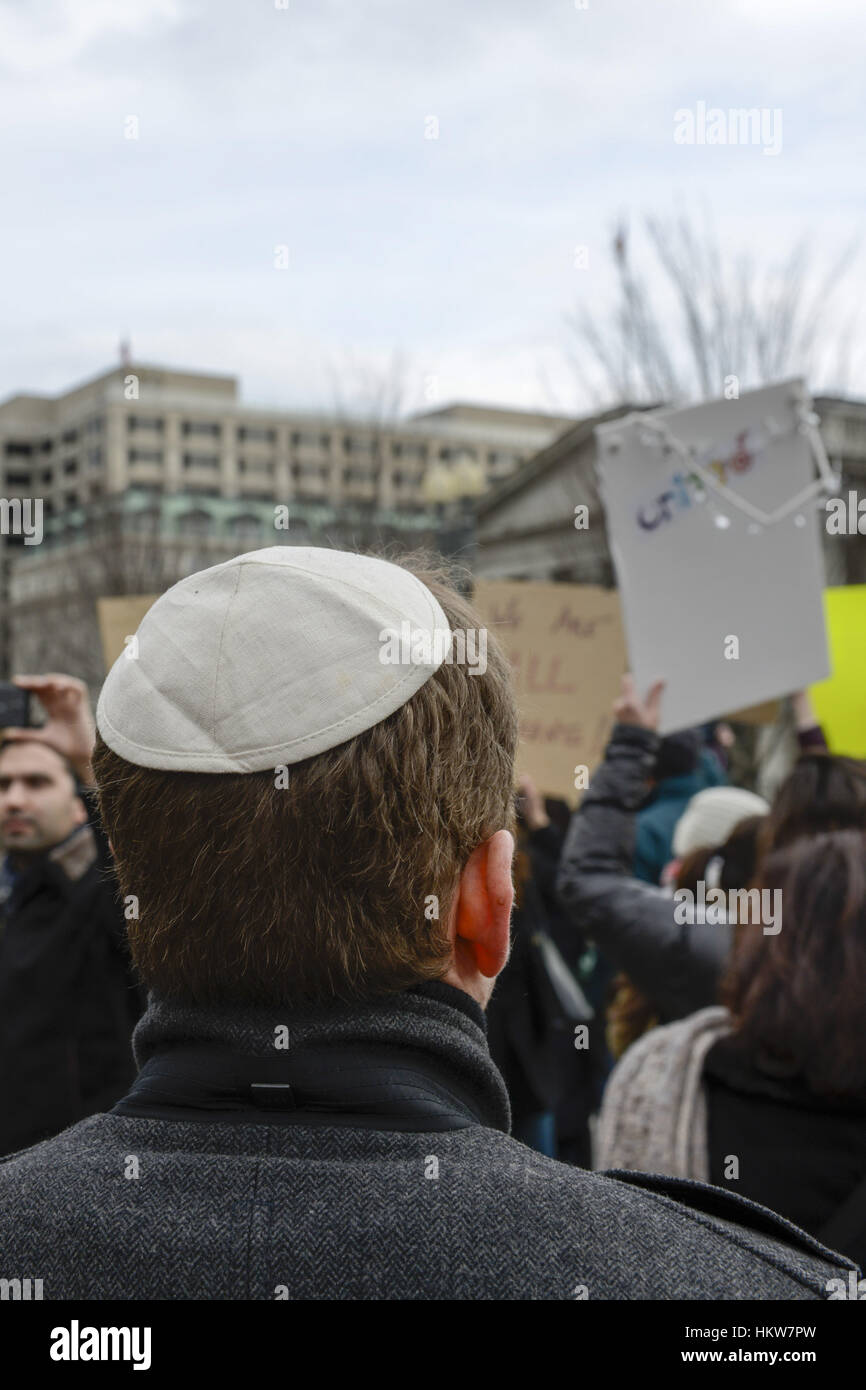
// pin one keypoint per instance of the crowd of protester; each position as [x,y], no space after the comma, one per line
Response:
[631,1033]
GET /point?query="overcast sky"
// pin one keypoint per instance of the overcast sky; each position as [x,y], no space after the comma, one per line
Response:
[306,127]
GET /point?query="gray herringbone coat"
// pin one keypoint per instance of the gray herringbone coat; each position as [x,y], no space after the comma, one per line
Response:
[254,1211]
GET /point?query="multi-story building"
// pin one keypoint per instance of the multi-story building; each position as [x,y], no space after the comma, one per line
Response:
[144,474]
[169,432]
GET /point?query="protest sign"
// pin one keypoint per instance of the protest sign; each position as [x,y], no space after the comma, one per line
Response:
[566,647]
[840,701]
[712,526]
[119,618]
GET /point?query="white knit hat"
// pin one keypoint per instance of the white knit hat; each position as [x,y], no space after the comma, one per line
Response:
[268,659]
[711,815]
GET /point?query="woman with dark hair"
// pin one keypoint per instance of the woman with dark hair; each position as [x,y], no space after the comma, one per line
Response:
[822,792]
[766,1095]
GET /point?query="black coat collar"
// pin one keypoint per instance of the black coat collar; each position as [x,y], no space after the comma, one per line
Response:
[415,1060]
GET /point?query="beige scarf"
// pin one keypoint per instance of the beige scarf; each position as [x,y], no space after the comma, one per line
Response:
[654,1114]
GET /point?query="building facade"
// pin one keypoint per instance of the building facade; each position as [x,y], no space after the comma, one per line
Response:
[145,474]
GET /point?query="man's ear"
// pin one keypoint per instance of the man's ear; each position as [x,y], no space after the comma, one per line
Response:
[483,910]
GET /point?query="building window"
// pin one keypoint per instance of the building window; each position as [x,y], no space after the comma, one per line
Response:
[145,422]
[245,528]
[194,523]
[256,434]
[145,456]
[144,519]
[363,447]
[70,466]
[94,458]
[18,450]
[70,437]
[409,451]
[16,480]
[210,461]
[206,429]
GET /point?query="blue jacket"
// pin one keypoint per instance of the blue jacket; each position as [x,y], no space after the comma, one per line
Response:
[656,822]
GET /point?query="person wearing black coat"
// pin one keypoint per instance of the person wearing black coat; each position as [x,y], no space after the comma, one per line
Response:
[633,923]
[68,997]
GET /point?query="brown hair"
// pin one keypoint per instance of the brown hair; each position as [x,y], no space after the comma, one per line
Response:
[822,792]
[798,998]
[253,893]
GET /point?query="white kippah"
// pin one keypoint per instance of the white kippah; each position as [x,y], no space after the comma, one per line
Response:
[268,659]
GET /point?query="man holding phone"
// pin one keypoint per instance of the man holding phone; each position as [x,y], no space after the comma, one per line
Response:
[68,1000]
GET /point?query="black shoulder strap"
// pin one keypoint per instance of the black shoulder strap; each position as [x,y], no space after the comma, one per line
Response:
[730,1206]
[846,1228]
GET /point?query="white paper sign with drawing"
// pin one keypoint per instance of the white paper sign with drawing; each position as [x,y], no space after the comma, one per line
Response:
[711,515]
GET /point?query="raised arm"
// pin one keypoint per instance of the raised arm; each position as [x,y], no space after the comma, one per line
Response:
[633,922]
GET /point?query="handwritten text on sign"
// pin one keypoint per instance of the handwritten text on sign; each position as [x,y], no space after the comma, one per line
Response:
[566,648]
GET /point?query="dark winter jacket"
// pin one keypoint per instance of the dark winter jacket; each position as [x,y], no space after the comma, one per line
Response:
[390,1179]
[68,998]
[801,1154]
[632,922]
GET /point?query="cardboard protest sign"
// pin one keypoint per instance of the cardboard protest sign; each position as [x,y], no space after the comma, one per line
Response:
[840,701]
[712,525]
[566,647]
[119,618]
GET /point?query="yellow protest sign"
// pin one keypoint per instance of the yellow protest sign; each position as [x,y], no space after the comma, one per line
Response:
[840,701]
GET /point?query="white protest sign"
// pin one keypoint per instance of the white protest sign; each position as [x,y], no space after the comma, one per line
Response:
[711,515]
